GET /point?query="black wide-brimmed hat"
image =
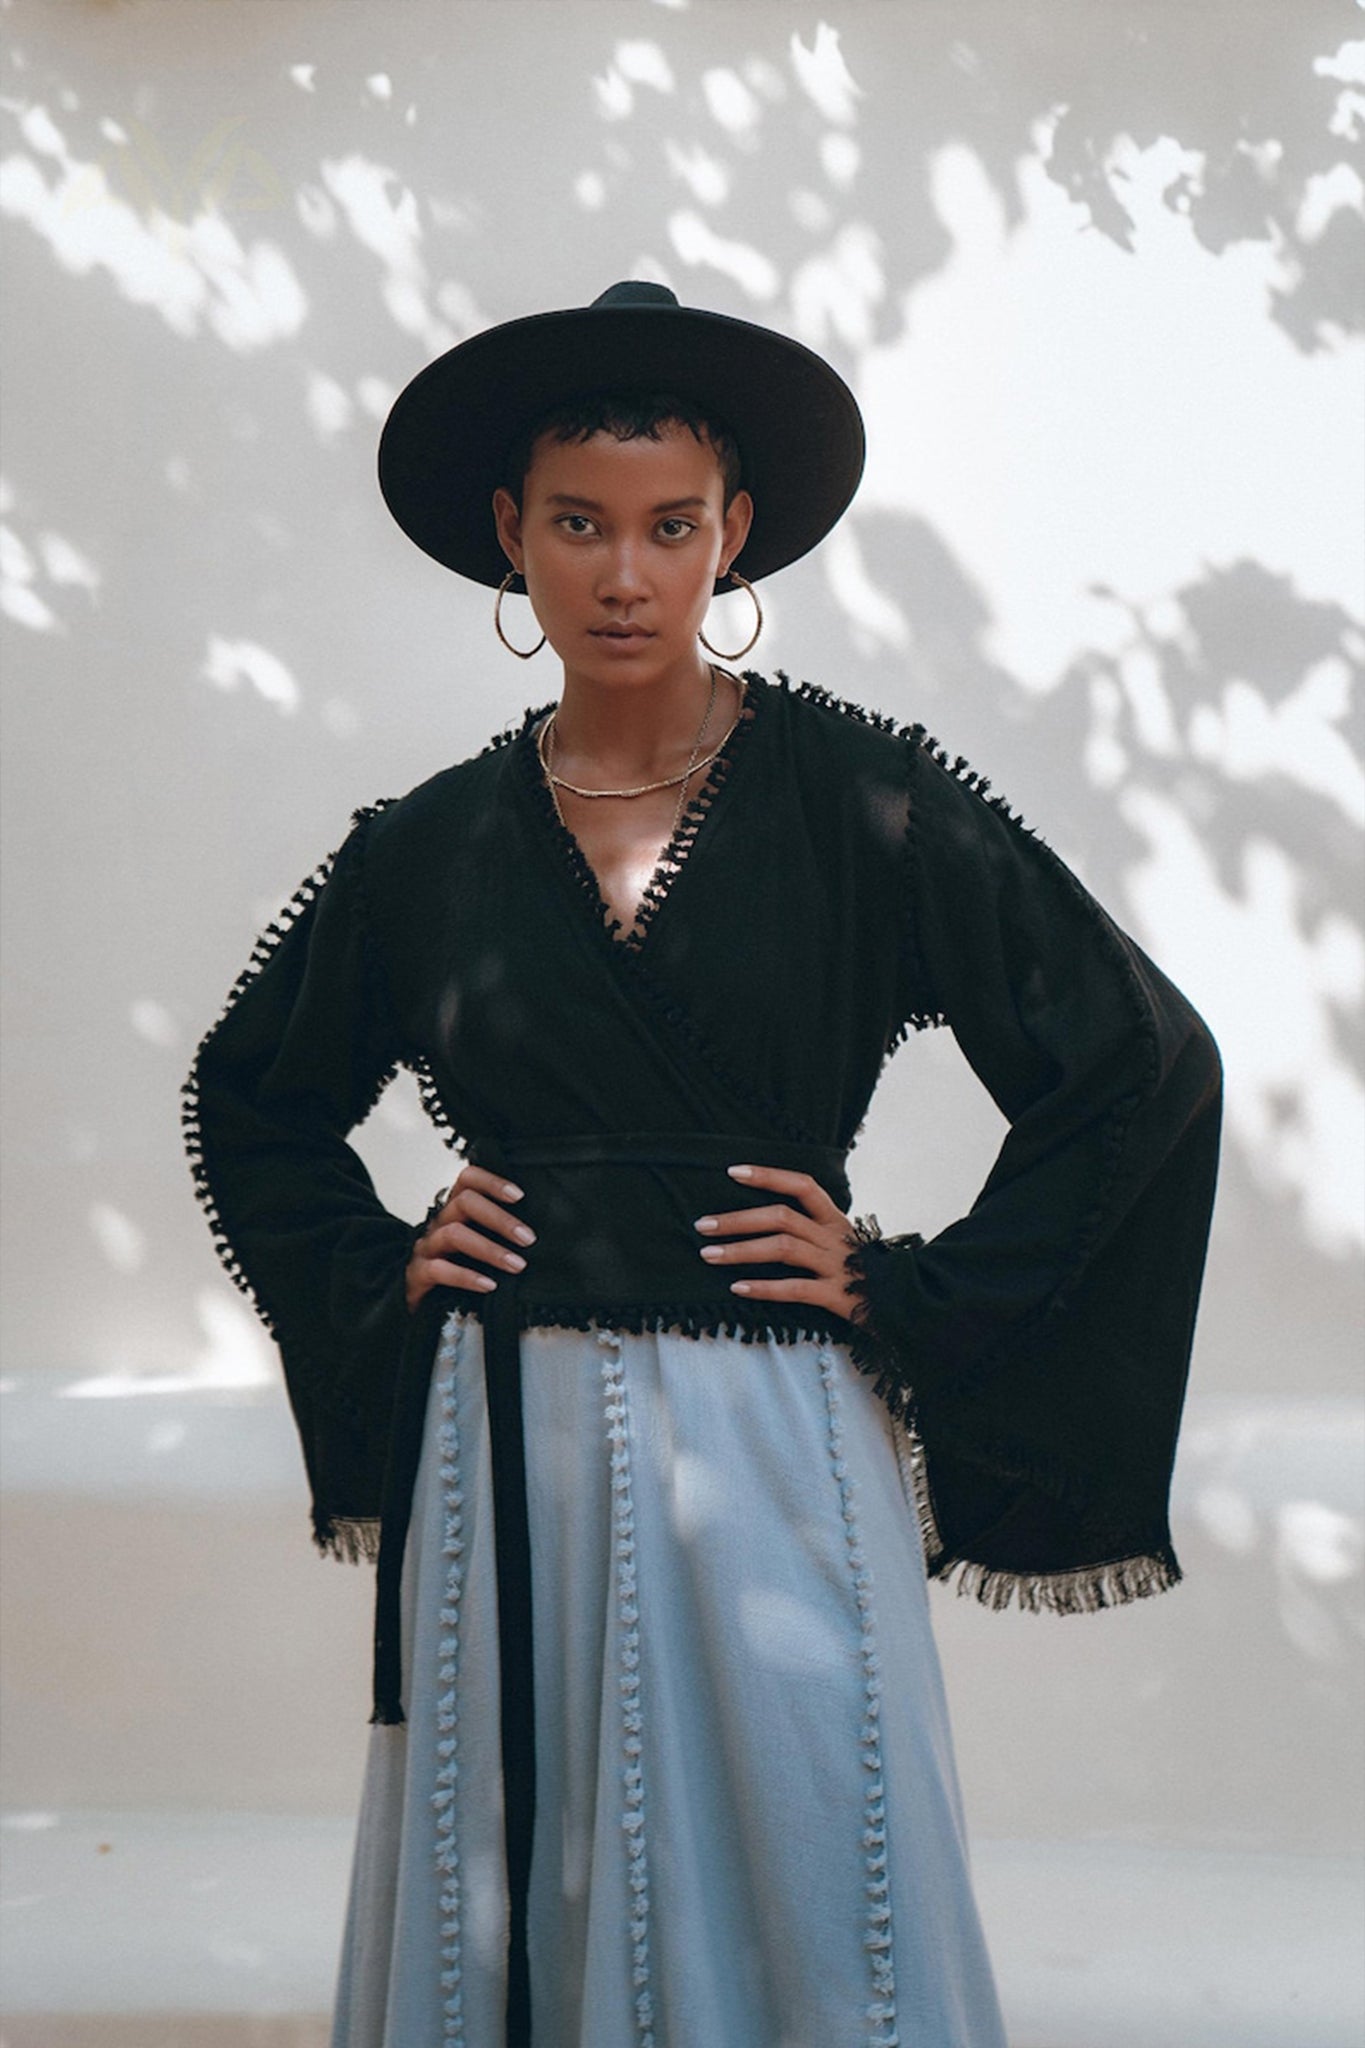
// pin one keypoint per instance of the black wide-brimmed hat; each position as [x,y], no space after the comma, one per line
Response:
[445,443]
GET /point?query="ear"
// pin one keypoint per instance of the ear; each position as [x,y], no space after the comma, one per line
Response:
[735,526]
[507,519]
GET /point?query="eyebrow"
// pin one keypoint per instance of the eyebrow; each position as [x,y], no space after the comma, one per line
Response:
[591,504]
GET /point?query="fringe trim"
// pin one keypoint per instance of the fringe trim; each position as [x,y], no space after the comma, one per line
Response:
[744,1321]
[914,1472]
[443,1799]
[628,1617]
[673,855]
[577,861]
[1087,1591]
[350,1539]
[882,1361]
[878,1940]
[513,731]
[301,904]
[433,1102]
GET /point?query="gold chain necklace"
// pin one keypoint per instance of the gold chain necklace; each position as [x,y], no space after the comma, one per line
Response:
[557,782]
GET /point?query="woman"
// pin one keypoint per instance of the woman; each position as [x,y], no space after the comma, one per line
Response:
[656,1444]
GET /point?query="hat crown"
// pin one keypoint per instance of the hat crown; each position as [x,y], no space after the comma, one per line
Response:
[636,291]
[446,443]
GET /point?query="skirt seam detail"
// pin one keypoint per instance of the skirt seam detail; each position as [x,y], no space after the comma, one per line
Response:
[632,1727]
[877,1940]
[447,1714]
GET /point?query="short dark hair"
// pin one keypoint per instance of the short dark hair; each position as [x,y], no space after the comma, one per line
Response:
[630,416]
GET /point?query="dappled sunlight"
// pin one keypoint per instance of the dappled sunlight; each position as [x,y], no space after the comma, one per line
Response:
[1326,194]
[154,1022]
[1280,1481]
[697,244]
[1300,737]
[388,224]
[835,295]
[705,176]
[1218,722]
[824,76]
[18,598]
[33,571]
[235,1357]
[633,64]
[1057,458]
[701,1494]
[875,619]
[1320,1542]
[1270,988]
[1346,65]
[229,663]
[1319,1550]
[63,563]
[195,273]
[122,1243]
[783,1633]
[731,104]
[330,406]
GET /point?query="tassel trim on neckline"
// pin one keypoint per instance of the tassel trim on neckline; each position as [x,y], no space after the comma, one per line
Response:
[674,853]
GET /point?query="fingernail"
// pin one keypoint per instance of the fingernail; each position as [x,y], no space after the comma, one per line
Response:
[484,1280]
[707,1223]
[511,1192]
[524,1234]
[739,1287]
[515,1261]
[713,1251]
[740,1172]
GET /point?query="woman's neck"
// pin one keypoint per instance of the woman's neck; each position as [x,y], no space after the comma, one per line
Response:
[625,734]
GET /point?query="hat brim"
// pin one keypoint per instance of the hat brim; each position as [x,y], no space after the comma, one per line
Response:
[445,442]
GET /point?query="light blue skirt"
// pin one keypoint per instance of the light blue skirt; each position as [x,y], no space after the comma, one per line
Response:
[749,1832]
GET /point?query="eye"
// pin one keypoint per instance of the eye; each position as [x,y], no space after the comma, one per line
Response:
[575,522]
[680,527]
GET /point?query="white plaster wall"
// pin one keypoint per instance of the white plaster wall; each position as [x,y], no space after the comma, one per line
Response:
[1094,271]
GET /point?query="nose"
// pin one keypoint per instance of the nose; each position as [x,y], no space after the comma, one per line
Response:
[621,577]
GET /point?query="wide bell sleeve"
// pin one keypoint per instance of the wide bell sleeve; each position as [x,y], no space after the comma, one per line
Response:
[1040,1344]
[301,1053]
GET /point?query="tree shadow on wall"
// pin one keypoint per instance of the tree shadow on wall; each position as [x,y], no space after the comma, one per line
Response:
[552,149]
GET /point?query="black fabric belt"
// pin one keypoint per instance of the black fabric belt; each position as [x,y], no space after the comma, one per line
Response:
[616,1246]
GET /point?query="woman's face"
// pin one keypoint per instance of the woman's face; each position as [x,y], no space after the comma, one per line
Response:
[620,543]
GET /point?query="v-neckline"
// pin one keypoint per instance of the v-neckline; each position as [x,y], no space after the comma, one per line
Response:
[676,850]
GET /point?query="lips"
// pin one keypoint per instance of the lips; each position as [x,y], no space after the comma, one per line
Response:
[620,633]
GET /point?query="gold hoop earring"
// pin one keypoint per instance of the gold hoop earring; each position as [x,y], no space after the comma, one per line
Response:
[742,584]
[522,653]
